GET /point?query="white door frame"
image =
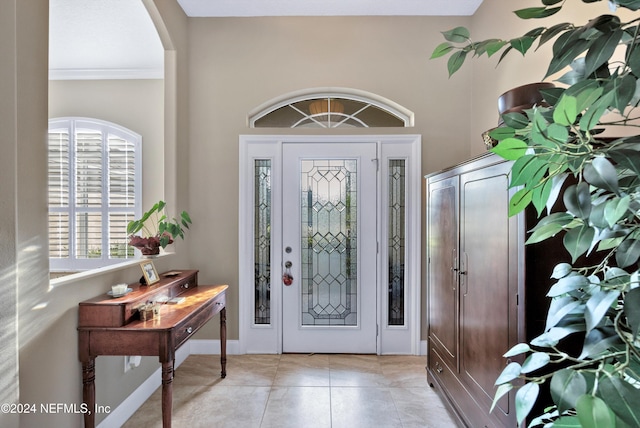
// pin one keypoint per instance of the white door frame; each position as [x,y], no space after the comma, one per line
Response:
[267,338]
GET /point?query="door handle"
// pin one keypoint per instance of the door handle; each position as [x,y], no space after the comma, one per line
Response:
[287,278]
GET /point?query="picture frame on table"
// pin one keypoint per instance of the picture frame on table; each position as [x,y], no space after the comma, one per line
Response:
[149,271]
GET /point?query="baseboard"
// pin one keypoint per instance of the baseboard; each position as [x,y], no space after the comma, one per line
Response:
[424,347]
[118,416]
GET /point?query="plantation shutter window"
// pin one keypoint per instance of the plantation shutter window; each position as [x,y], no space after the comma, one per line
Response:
[94,191]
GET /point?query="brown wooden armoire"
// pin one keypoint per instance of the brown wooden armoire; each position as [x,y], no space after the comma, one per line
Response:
[486,291]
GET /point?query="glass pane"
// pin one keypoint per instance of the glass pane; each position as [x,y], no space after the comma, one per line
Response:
[59,235]
[88,168]
[121,172]
[329,242]
[329,112]
[262,241]
[58,168]
[119,247]
[396,240]
[88,235]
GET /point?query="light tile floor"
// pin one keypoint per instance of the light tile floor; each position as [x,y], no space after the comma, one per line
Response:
[300,391]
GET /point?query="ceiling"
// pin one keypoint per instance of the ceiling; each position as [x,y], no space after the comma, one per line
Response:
[111,39]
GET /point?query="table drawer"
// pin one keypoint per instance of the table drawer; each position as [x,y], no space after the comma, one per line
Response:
[182,286]
[188,328]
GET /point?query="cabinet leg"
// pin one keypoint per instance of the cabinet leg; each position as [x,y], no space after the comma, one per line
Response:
[223,342]
[167,393]
[89,391]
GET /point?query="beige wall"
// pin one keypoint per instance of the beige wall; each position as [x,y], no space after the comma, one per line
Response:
[135,104]
[236,64]
[495,19]
[217,70]
[49,370]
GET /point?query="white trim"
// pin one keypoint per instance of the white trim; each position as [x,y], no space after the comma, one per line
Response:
[222,8]
[332,92]
[268,339]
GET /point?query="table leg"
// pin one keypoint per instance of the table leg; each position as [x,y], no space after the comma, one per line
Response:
[167,393]
[223,341]
[89,391]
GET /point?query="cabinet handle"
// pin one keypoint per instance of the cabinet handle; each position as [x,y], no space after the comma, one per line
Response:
[219,303]
[189,330]
[185,285]
[439,369]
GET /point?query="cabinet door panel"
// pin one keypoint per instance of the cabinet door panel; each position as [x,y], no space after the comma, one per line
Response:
[488,317]
[442,236]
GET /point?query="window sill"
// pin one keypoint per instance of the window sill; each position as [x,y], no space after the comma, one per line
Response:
[100,271]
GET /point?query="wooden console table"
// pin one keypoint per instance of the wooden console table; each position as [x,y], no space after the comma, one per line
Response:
[112,326]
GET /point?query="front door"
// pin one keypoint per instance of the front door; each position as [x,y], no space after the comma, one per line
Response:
[329,247]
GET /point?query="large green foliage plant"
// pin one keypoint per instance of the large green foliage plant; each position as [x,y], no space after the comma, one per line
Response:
[561,159]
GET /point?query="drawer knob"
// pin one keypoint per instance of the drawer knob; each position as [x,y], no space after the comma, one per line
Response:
[189,330]
[438,368]
[185,286]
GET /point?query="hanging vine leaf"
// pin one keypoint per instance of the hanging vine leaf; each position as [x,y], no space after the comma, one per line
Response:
[601,173]
[525,399]
[577,241]
[566,387]
[623,399]
[597,307]
[628,253]
[457,35]
[632,310]
[601,50]
[455,61]
[594,413]
[578,200]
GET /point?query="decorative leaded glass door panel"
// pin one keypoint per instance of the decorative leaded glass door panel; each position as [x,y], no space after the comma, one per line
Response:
[329,240]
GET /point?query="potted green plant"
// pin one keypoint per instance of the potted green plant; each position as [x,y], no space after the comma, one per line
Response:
[559,154]
[154,229]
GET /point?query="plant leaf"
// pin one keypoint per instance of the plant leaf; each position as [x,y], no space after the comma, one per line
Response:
[536,12]
[566,111]
[559,308]
[535,361]
[441,50]
[567,386]
[519,201]
[553,31]
[602,174]
[632,310]
[598,305]
[593,412]
[455,61]
[578,200]
[568,283]
[500,392]
[623,399]
[593,114]
[601,50]
[615,209]
[457,35]
[511,372]
[627,158]
[565,57]
[628,252]
[522,44]
[525,399]
[597,341]
[518,349]
[577,241]
[624,91]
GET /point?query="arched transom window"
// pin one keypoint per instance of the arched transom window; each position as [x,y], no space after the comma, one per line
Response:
[331,109]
